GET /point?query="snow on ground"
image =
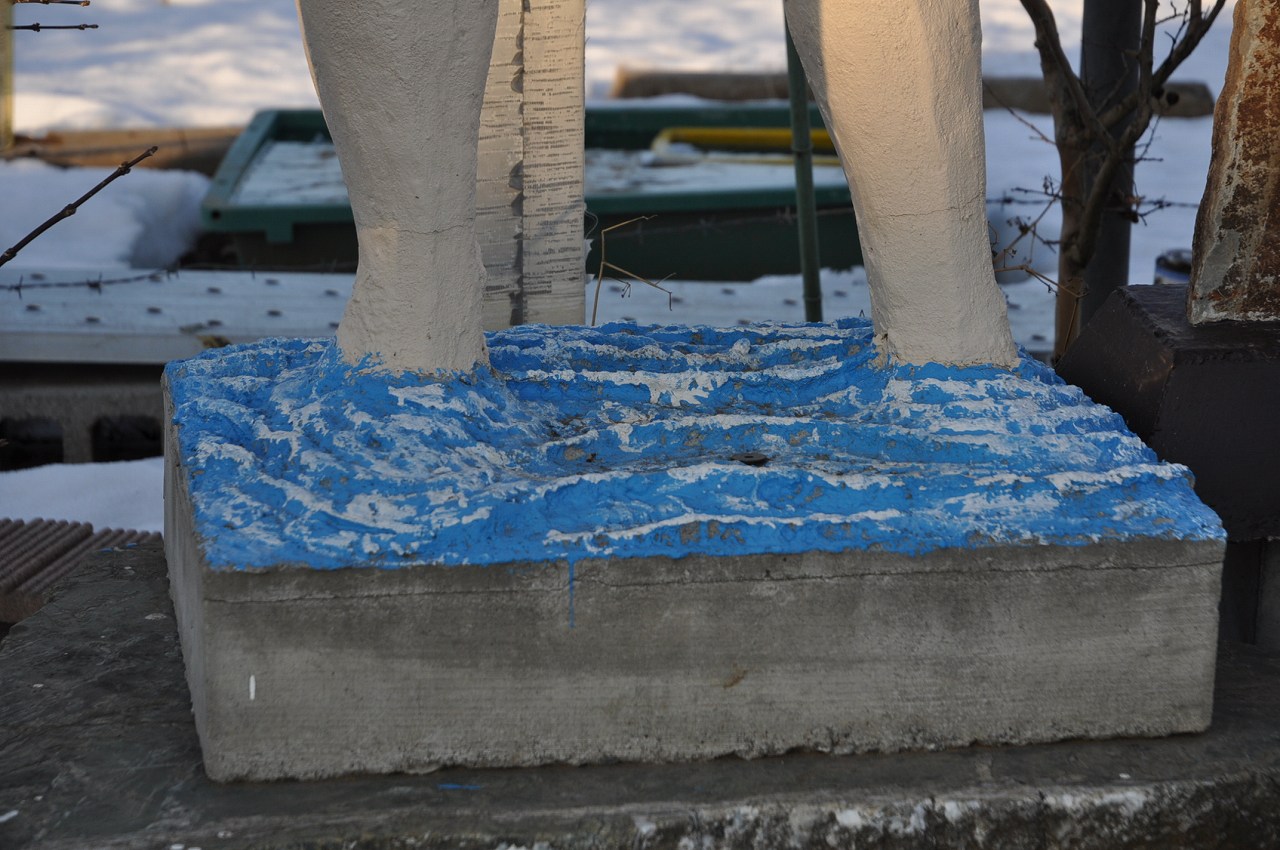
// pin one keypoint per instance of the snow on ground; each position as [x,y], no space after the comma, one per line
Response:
[127,494]
[211,62]
[147,219]
[158,63]
[215,62]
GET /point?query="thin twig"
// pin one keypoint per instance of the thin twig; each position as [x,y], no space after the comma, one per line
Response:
[595,304]
[1190,32]
[658,286]
[70,209]
[996,97]
[1026,268]
[52,2]
[1025,229]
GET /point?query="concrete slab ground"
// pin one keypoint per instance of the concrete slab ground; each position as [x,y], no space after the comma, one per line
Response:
[98,750]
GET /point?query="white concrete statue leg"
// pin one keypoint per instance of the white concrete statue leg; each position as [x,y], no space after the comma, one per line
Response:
[401,83]
[899,83]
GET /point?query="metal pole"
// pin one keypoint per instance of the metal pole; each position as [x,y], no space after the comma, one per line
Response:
[806,206]
[6,75]
[1111,34]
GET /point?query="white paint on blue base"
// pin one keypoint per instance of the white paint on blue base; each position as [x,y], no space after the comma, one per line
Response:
[618,441]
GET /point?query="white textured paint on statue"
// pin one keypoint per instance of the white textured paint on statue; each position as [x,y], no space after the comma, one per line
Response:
[402,83]
[899,84]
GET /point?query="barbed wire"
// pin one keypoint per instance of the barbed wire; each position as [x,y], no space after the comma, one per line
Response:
[650,229]
[37,27]
[97,283]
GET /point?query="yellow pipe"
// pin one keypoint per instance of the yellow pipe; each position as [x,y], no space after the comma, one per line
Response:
[741,138]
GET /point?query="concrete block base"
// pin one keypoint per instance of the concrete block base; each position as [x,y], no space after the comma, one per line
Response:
[1207,396]
[310,673]
[647,544]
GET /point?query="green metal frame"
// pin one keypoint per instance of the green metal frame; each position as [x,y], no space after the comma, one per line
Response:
[688,220]
[221,214]
[806,203]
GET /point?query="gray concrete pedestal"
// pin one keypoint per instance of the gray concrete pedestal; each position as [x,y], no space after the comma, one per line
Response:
[308,673]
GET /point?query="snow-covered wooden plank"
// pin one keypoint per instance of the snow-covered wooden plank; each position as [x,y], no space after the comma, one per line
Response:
[128,317]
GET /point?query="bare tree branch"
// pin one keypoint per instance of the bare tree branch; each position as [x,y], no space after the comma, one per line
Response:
[1065,88]
[40,27]
[1193,31]
[1096,140]
[1147,44]
[1017,117]
[70,209]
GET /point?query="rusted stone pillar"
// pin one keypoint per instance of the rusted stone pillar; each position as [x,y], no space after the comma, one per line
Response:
[1236,269]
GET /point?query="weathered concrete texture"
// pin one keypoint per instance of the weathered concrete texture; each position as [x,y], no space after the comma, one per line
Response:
[97,749]
[1207,396]
[308,673]
[406,115]
[900,88]
[1236,270]
[402,85]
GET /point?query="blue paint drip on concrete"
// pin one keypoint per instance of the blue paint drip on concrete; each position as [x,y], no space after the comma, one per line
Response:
[571,581]
[618,441]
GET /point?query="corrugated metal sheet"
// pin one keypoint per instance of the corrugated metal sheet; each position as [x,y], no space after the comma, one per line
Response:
[34,554]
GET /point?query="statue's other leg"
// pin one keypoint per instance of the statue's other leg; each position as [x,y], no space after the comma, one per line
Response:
[899,83]
[401,83]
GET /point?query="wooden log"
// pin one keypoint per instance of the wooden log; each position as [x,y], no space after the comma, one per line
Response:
[191,148]
[1025,94]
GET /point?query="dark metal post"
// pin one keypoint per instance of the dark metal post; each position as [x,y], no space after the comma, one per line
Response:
[806,206]
[1111,34]
[6,74]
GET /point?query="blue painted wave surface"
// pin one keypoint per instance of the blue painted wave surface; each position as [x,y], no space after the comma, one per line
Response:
[619,441]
